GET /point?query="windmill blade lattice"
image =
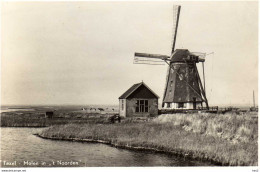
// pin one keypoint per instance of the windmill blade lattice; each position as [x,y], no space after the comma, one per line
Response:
[201,56]
[176,15]
[150,59]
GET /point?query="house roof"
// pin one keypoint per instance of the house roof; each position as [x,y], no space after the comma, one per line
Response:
[132,89]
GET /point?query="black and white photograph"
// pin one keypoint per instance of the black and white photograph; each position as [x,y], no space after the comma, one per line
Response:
[129,84]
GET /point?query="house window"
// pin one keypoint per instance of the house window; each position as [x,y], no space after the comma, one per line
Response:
[180,105]
[168,105]
[122,104]
[141,106]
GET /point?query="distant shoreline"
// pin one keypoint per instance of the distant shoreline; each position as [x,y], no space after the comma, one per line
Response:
[115,105]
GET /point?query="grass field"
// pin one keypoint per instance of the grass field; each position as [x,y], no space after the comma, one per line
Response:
[37,119]
[192,135]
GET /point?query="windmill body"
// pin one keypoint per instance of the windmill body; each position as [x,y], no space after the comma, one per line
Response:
[183,88]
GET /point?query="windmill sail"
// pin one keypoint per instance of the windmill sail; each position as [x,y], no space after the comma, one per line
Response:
[150,59]
[138,60]
[200,55]
[155,56]
[183,89]
[176,15]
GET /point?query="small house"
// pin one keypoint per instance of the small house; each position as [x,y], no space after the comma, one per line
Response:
[49,114]
[138,101]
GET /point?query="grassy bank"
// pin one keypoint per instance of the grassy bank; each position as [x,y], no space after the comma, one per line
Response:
[232,127]
[163,136]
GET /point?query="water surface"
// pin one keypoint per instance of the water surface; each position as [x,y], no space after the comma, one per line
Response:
[21,148]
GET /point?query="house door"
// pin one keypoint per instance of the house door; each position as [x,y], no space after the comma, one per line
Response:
[194,102]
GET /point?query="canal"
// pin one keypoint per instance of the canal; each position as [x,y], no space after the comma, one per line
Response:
[20,148]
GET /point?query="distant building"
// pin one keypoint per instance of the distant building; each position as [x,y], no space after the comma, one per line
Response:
[49,114]
[138,101]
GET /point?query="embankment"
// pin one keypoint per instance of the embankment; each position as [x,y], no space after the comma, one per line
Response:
[165,137]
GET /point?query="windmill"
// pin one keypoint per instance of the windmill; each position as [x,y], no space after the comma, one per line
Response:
[183,88]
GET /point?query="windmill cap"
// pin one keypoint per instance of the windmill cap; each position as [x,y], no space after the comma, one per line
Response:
[184,55]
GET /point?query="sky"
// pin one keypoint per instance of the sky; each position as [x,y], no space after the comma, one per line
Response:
[82,52]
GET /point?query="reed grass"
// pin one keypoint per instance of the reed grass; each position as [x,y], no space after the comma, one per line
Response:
[232,127]
[170,136]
